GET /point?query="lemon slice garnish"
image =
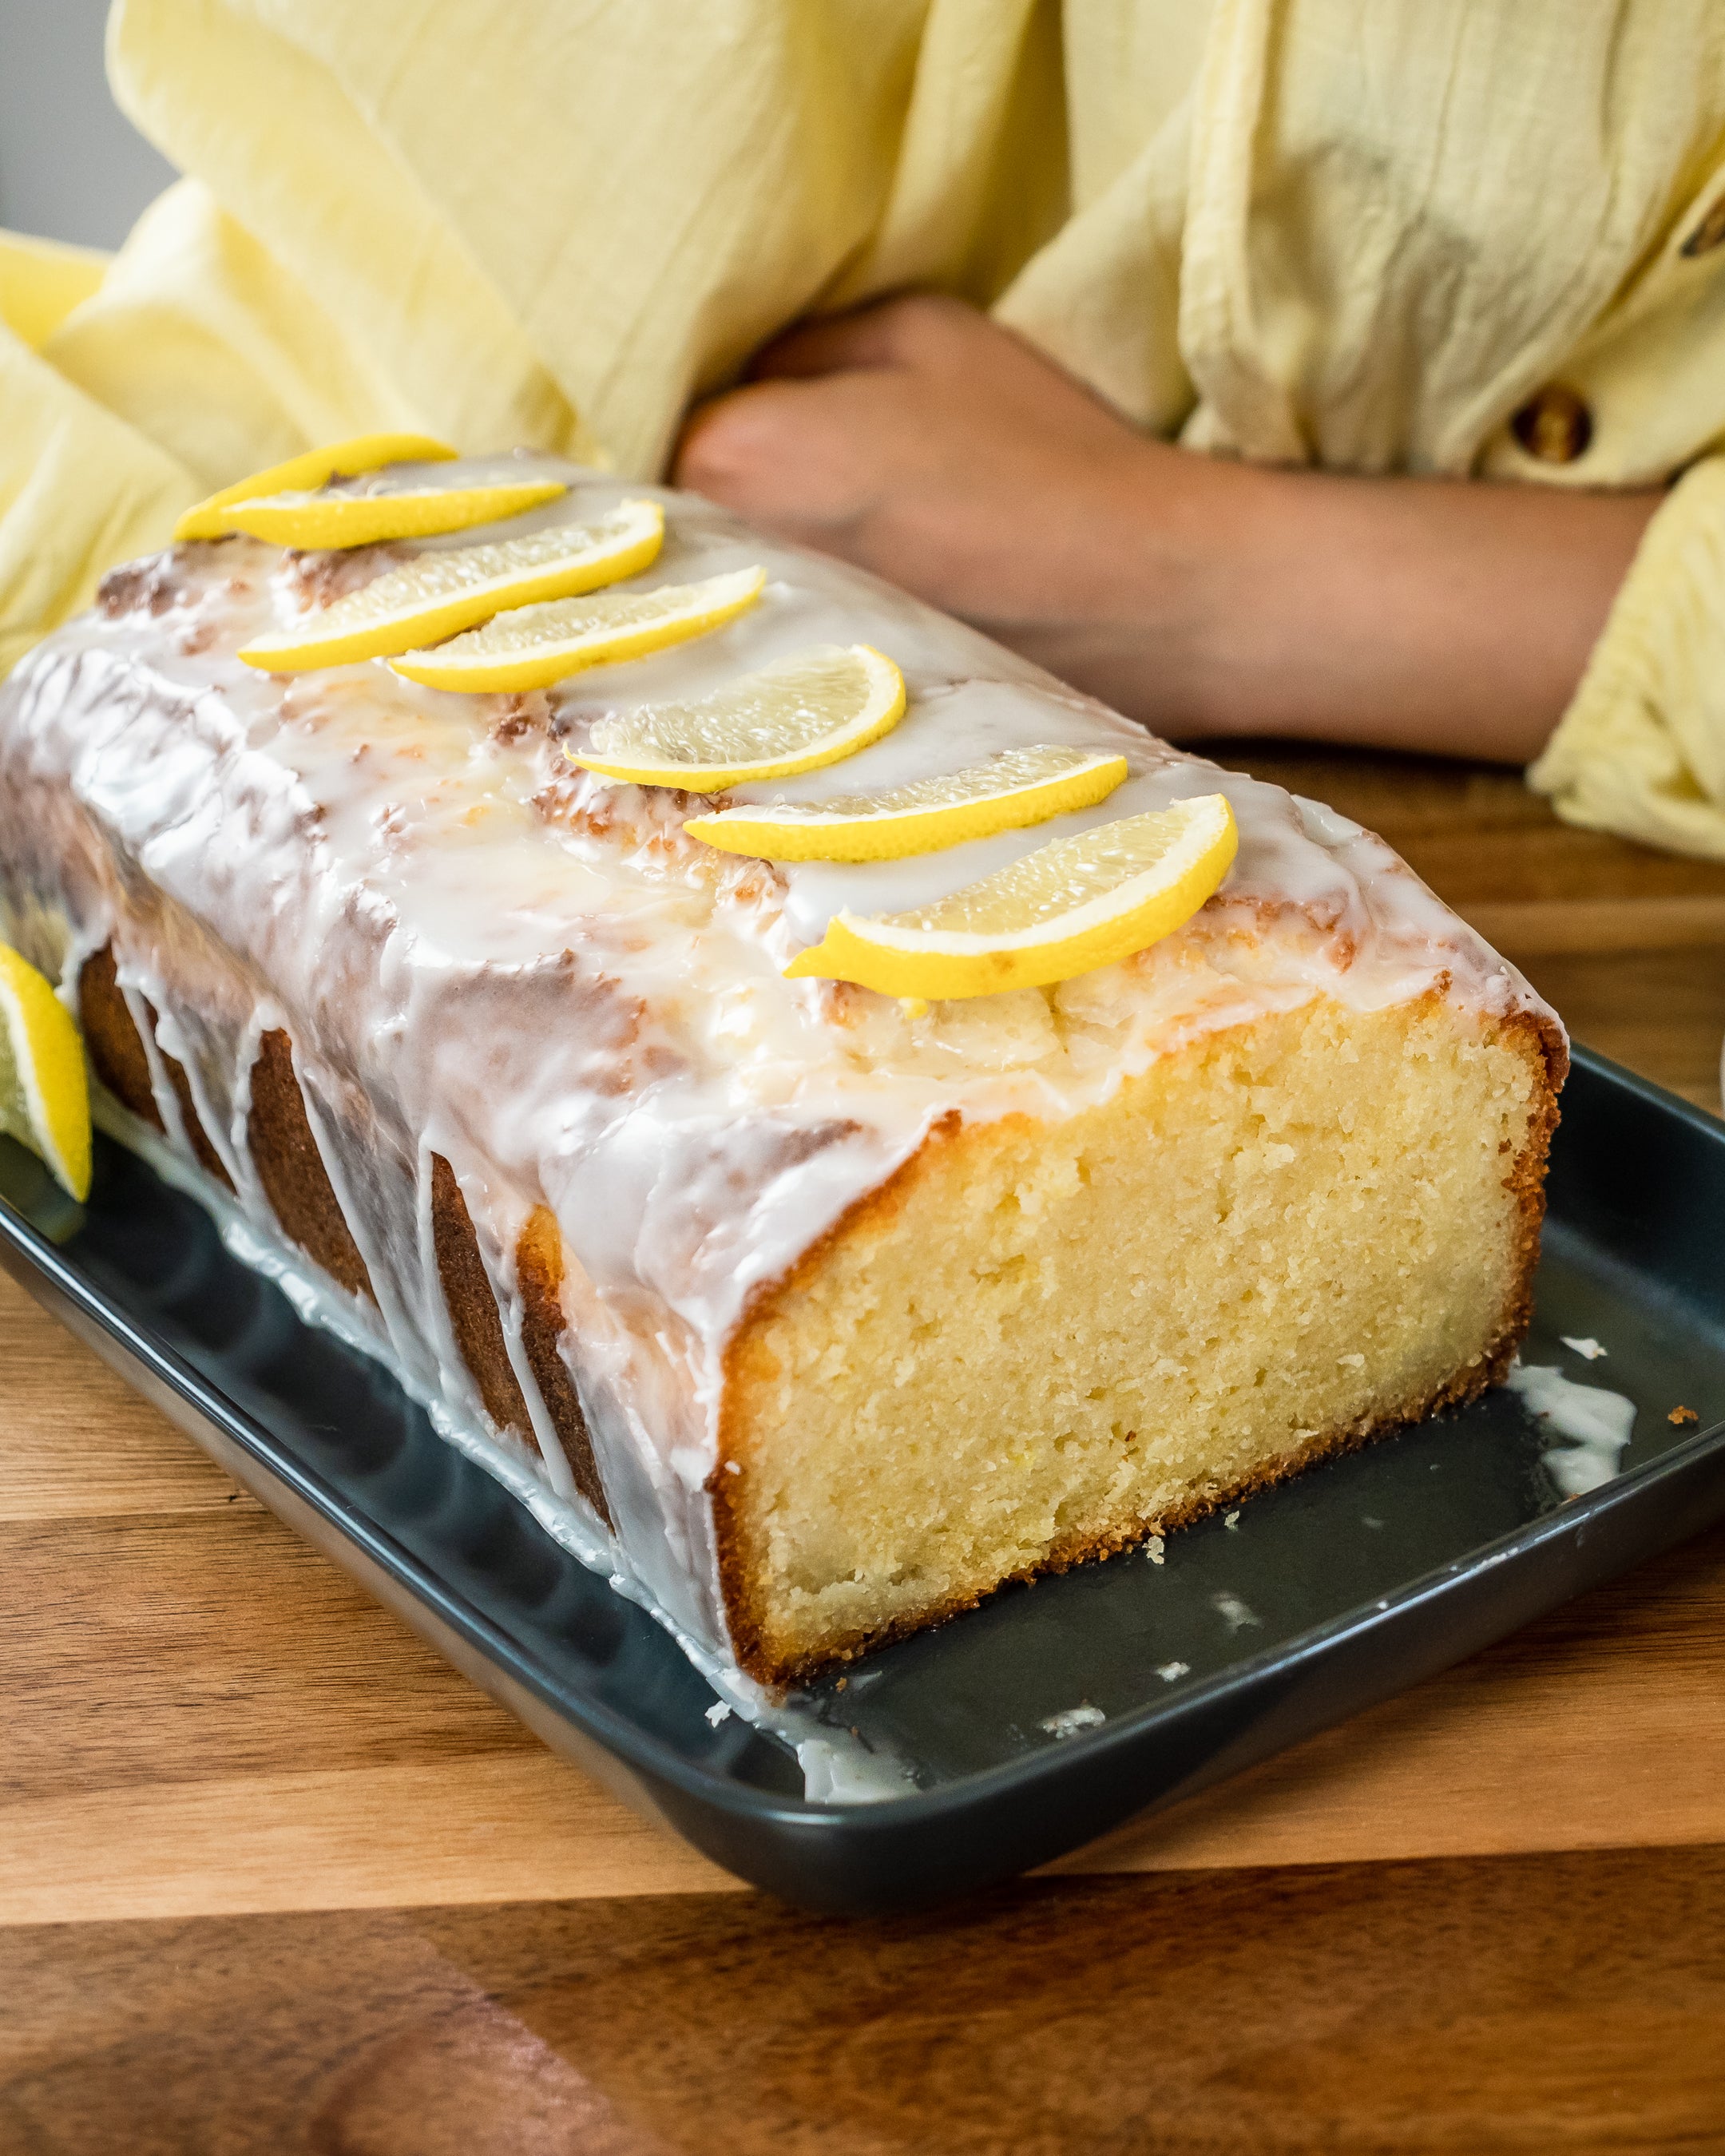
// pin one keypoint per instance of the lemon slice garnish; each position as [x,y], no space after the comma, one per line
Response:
[793,715]
[207,519]
[1068,908]
[534,646]
[1016,788]
[437,595]
[44,1094]
[294,519]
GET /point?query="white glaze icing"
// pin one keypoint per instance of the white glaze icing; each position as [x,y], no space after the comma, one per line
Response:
[1598,1424]
[838,1768]
[1235,1613]
[1072,1722]
[1589,1348]
[480,951]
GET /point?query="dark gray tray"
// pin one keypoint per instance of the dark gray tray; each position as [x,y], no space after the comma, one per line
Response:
[1361,1577]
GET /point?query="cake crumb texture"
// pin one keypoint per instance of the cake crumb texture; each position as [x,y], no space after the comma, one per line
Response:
[1041,1342]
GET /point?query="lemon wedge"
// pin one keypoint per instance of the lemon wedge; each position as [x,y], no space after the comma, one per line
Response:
[534,646]
[794,716]
[438,595]
[363,452]
[1016,788]
[1068,908]
[44,1094]
[293,518]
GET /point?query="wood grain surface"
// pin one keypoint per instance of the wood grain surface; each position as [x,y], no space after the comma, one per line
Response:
[1545,2005]
[273,1877]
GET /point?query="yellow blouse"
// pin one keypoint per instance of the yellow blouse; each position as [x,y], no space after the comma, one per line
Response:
[1475,237]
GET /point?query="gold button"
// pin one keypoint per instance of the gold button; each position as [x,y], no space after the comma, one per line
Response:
[1555,425]
[1710,233]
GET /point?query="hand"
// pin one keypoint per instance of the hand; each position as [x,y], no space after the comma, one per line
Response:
[919,440]
[1202,595]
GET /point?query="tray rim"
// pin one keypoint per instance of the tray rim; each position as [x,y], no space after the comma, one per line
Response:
[638,1760]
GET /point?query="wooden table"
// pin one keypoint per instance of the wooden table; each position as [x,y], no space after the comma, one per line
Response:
[273,1878]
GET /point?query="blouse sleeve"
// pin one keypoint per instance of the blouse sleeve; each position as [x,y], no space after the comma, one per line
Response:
[79,489]
[1641,749]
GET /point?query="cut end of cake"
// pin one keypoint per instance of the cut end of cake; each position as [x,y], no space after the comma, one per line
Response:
[1039,1344]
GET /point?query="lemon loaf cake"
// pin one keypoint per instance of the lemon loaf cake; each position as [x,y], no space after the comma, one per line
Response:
[831,1305]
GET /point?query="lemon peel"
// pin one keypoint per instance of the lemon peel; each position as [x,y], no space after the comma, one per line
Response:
[438,595]
[797,714]
[531,647]
[44,1091]
[362,452]
[294,518]
[1011,791]
[1068,908]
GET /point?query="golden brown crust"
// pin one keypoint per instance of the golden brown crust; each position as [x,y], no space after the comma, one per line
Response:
[118,1058]
[1542,1042]
[478,1326]
[111,1039]
[539,1274]
[472,1305]
[278,1138]
[209,1159]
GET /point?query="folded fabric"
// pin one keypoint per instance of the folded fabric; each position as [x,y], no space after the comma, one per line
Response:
[1472,240]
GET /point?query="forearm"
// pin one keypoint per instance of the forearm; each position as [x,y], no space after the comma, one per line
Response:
[1202,596]
[1444,615]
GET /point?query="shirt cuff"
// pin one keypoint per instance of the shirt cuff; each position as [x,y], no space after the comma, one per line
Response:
[1641,749]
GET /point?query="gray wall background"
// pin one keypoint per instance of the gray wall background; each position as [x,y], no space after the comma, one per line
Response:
[71,166]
